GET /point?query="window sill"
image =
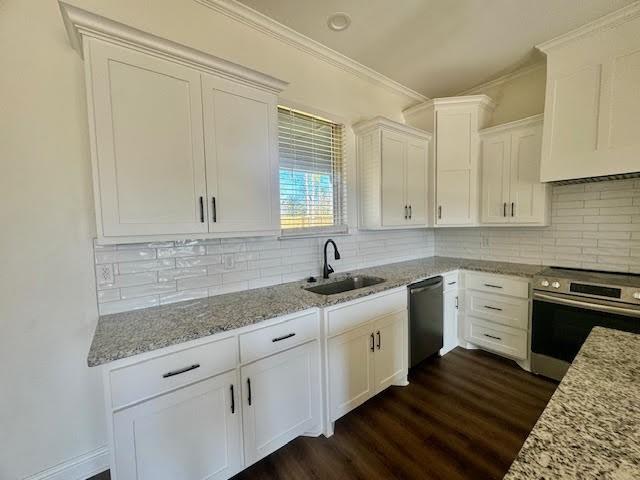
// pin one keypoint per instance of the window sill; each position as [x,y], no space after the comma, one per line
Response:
[313,232]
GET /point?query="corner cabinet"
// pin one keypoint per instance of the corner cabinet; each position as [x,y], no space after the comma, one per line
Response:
[592,102]
[511,189]
[392,166]
[182,142]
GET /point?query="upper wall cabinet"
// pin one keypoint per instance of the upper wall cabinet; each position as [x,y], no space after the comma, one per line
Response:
[393,166]
[456,122]
[592,107]
[511,189]
[183,143]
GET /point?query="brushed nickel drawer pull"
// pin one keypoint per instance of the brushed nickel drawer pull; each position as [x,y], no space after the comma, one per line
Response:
[491,336]
[493,308]
[181,370]
[284,337]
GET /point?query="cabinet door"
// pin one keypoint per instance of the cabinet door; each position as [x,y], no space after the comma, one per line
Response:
[390,358]
[149,143]
[240,128]
[455,187]
[416,181]
[281,399]
[450,321]
[394,203]
[496,151]
[528,201]
[192,434]
[350,370]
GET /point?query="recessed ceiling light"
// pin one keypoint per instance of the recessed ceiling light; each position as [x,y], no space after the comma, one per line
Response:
[339,21]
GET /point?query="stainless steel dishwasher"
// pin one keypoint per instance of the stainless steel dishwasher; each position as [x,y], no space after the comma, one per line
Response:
[425,319]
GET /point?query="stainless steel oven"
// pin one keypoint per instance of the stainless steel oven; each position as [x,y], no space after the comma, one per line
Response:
[568,303]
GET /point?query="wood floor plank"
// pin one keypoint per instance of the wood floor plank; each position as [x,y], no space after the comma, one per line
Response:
[462,417]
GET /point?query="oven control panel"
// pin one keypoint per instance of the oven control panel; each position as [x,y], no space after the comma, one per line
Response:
[585,289]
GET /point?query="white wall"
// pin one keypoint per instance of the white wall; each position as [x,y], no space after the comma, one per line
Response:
[50,405]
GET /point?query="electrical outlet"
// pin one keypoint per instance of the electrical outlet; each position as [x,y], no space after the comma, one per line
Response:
[229,261]
[485,242]
[105,274]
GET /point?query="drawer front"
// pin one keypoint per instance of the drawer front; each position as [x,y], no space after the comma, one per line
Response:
[275,338]
[499,284]
[509,311]
[451,281]
[498,338]
[157,375]
[350,315]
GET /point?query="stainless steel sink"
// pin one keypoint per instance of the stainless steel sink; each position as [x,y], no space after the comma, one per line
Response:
[345,285]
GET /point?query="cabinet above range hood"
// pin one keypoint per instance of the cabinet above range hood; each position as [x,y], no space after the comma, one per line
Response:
[592,106]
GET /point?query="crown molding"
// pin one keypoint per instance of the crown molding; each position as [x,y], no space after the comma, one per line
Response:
[611,20]
[81,23]
[383,122]
[482,101]
[524,122]
[275,29]
[521,72]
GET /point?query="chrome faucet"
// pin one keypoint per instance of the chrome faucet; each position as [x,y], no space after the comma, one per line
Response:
[327,269]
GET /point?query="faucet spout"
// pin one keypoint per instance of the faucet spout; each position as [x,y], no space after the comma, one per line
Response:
[326,268]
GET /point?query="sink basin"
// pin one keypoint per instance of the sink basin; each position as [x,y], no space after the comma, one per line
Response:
[345,285]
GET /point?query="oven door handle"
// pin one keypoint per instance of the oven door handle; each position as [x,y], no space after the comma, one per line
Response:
[630,312]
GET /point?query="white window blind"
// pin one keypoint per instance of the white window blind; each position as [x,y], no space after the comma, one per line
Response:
[312,173]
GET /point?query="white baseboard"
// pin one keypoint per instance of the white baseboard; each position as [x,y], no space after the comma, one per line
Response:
[78,468]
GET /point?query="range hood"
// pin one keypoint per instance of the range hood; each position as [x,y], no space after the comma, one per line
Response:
[603,178]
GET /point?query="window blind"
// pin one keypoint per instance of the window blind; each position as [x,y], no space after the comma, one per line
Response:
[312,172]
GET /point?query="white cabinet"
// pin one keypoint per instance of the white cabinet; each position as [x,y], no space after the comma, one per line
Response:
[511,189]
[171,130]
[456,122]
[367,349]
[191,434]
[282,399]
[592,105]
[240,128]
[393,166]
[449,313]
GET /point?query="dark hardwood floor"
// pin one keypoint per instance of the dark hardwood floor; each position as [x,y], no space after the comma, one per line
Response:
[463,416]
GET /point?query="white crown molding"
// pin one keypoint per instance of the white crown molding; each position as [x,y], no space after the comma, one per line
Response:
[81,23]
[521,72]
[275,29]
[524,122]
[383,122]
[482,101]
[613,19]
[83,466]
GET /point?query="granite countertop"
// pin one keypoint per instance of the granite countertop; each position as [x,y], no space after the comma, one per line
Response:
[122,335]
[591,427]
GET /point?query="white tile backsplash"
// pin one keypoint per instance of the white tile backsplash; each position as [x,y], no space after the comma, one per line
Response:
[153,274]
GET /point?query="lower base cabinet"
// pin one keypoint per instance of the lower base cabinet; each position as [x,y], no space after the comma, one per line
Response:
[192,433]
[281,400]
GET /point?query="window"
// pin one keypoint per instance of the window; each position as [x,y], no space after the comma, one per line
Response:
[312,177]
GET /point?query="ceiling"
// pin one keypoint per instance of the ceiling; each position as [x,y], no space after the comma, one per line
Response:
[438,47]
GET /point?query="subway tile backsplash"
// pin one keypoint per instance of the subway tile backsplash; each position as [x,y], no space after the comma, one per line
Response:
[593,226]
[146,275]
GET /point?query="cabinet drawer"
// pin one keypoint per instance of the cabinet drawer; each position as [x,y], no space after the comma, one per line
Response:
[450,281]
[350,315]
[500,284]
[157,375]
[505,340]
[509,311]
[275,338]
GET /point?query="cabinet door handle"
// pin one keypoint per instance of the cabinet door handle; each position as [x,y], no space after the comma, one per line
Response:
[233,401]
[457,302]
[372,345]
[181,370]
[491,336]
[504,209]
[405,213]
[492,286]
[249,391]
[493,308]
[215,211]
[513,206]
[439,212]
[452,283]
[201,210]
[379,339]
[410,213]
[283,337]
